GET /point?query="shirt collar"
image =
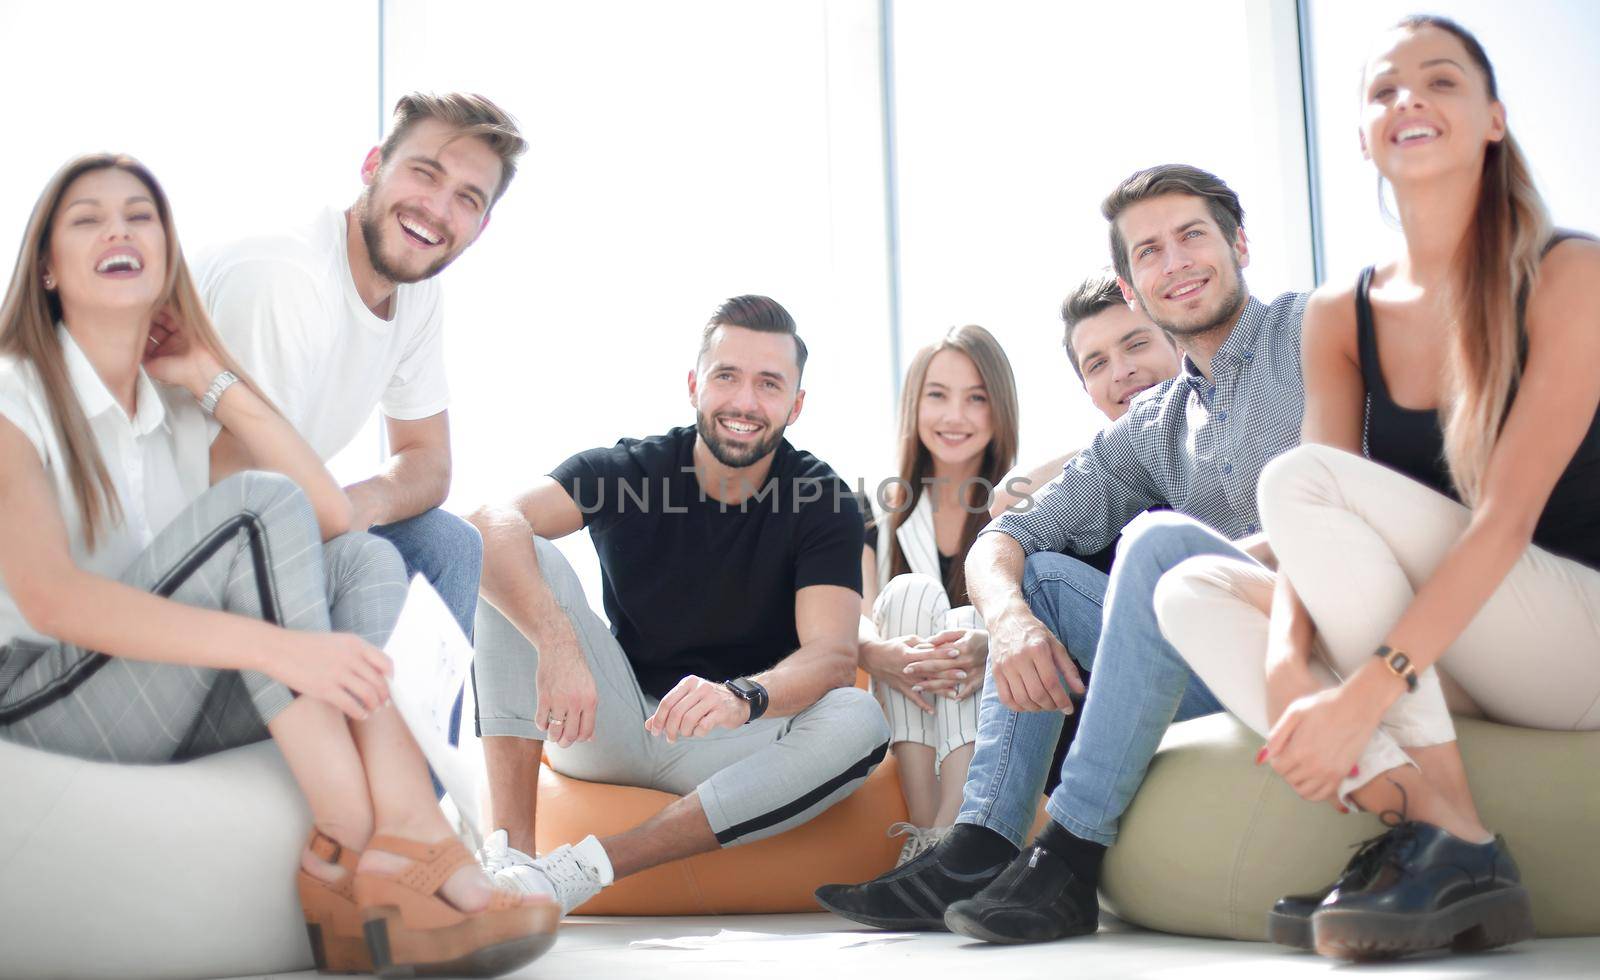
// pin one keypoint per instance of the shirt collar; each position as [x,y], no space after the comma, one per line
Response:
[96,399]
[1237,349]
[1241,342]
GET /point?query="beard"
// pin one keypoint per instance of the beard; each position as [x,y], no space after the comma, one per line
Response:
[733,455]
[1204,321]
[390,269]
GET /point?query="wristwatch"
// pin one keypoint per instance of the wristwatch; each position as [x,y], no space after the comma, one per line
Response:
[750,693]
[1399,664]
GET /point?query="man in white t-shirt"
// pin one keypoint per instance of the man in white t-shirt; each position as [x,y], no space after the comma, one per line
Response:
[343,316]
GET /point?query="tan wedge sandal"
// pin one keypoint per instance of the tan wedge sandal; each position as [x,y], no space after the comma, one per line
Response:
[333,919]
[412,931]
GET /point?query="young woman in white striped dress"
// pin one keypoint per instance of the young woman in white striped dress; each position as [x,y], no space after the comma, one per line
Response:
[922,645]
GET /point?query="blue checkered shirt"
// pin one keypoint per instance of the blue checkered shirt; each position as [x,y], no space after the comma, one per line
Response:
[1193,445]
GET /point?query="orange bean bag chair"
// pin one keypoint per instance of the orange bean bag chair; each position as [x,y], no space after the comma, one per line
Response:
[778,874]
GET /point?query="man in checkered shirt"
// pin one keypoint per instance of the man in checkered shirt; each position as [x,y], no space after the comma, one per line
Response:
[1195,444]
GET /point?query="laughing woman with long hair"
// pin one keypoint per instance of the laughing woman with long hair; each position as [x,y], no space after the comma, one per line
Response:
[1438,534]
[176,579]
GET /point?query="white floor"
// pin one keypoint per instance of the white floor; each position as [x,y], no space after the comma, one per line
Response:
[598,949]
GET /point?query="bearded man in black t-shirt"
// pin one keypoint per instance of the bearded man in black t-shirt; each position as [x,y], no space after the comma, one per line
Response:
[731,574]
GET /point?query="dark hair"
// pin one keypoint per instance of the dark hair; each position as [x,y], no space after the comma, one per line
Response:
[1170,178]
[1096,294]
[472,115]
[753,312]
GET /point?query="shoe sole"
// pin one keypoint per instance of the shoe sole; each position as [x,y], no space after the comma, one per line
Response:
[893,925]
[1290,930]
[959,922]
[428,954]
[882,922]
[1485,922]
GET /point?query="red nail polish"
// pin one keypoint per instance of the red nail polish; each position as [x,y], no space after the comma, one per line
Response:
[1355,771]
[1344,809]
[1261,756]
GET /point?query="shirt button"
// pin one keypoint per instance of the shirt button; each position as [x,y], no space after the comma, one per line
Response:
[1251,529]
[1248,355]
[1222,416]
[1227,468]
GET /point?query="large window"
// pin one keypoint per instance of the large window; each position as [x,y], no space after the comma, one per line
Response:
[684,152]
[1014,119]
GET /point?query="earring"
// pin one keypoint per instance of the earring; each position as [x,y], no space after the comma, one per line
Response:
[49,282]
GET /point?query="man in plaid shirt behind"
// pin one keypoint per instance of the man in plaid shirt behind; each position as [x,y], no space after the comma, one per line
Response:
[1196,445]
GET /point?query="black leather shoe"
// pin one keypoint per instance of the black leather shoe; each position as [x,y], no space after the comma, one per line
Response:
[1289,922]
[1036,899]
[912,897]
[1427,890]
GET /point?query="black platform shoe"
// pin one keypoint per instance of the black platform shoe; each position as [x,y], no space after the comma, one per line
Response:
[1425,890]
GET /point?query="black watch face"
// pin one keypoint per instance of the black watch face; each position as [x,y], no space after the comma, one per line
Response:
[746,689]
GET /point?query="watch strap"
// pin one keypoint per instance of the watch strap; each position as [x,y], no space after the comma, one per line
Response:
[219,384]
[750,693]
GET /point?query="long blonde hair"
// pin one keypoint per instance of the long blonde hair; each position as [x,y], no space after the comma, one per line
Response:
[1496,266]
[916,463]
[28,332]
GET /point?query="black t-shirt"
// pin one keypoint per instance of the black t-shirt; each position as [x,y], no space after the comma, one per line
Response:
[695,586]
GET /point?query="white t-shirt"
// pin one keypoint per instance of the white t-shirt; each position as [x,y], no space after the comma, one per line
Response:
[159,460]
[287,308]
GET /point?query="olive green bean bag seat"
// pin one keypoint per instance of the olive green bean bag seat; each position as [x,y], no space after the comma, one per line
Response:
[1212,840]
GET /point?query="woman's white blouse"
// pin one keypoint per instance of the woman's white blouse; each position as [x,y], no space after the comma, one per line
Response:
[159,461]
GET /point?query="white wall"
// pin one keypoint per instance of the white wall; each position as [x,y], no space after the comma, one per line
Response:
[681,154]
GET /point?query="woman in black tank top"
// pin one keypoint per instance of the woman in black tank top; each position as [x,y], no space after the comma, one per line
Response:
[1489,322]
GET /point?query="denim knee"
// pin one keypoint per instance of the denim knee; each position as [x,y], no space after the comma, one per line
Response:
[1155,542]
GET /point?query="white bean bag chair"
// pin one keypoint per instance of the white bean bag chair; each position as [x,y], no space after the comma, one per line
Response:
[1212,840]
[167,871]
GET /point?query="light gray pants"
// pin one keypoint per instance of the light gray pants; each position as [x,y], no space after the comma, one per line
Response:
[249,545]
[753,781]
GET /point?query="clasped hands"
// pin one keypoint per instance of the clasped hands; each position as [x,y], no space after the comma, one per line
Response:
[948,663]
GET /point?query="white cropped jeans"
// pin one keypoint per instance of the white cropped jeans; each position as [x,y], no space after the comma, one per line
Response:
[1357,539]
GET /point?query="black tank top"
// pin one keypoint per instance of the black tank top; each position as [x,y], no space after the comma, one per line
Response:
[1411,441]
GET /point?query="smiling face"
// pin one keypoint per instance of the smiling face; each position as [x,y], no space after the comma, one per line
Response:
[745,392]
[1187,276]
[1121,353]
[953,418]
[108,247]
[1426,107]
[427,202]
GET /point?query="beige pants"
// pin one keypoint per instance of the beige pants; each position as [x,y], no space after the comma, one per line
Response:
[1358,539]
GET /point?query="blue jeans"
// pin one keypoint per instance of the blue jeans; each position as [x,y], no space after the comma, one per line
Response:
[448,552]
[1140,686]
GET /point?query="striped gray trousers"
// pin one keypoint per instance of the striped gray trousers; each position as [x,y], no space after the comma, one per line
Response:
[249,545]
[916,605]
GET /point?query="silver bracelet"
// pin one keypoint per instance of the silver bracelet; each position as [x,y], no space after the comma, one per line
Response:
[219,384]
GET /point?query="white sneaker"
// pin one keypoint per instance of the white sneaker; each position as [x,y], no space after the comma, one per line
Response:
[918,839]
[571,874]
[497,853]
